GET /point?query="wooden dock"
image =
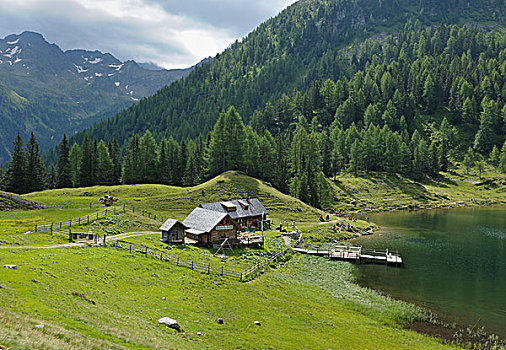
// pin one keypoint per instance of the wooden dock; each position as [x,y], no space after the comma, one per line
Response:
[354,253]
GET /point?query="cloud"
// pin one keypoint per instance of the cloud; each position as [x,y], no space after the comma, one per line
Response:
[171,33]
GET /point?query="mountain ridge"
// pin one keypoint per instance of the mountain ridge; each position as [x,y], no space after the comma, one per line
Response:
[51,91]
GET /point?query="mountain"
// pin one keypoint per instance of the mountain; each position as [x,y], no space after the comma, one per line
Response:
[52,92]
[303,44]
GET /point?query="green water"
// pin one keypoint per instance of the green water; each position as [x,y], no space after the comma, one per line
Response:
[454,263]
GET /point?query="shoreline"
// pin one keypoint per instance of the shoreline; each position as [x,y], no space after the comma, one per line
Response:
[442,328]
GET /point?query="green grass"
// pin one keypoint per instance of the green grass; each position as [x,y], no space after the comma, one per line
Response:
[380,191]
[102,298]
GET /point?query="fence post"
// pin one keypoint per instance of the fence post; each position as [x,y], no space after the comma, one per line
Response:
[222,270]
[60,224]
[161,257]
[192,264]
[35,227]
[90,205]
[155,217]
[209,268]
[104,237]
[146,251]
[51,229]
[70,235]
[123,208]
[241,276]
[178,261]
[79,221]
[130,247]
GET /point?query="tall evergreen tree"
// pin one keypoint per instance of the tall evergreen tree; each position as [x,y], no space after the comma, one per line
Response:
[469,160]
[226,149]
[502,159]
[489,124]
[87,163]
[64,174]
[14,180]
[148,158]
[35,172]
[115,153]
[105,166]
[75,164]
[131,169]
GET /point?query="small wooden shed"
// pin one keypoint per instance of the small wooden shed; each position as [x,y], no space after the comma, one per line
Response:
[173,231]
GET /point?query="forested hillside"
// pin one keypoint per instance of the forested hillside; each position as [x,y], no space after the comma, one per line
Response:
[409,102]
[303,44]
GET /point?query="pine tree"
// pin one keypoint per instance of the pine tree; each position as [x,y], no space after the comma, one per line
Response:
[14,179]
[434,158]
[87,163]
[64,174]
[35,172]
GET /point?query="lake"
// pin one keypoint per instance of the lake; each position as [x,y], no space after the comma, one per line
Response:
[454,263]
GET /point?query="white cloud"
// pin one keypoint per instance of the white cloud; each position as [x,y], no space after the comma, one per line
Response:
[172,33]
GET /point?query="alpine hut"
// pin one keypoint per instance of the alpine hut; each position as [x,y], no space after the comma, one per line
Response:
[249,213]
[209,227]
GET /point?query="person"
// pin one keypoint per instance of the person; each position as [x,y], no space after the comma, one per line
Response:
[327,217]
[321,218]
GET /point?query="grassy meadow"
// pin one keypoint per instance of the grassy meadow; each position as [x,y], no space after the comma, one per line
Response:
[103,298]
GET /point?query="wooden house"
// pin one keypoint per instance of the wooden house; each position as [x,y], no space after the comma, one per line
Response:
[173,231]
[248,213]
[209,227]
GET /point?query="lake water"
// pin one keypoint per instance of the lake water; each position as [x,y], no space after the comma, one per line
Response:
[454,263]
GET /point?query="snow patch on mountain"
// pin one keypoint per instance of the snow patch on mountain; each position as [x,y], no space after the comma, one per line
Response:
[117,83]
[98,74]
[80,69]
[13,42]
[96,60]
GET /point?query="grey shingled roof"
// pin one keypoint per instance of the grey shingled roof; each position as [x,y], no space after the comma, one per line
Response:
[255,208]
[169,224]
[203,220]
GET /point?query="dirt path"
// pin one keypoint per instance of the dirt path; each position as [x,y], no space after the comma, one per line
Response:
[83,243]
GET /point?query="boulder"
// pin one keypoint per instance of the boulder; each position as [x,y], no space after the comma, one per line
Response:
[12,267]
[219,320]
[170,323]
[257,323]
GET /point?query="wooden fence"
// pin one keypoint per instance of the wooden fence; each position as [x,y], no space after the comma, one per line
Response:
[52,227]
[189,263]
[245,276]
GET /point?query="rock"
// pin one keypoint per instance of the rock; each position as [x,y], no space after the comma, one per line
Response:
[12,267]
[199,333]
[257,323]
[163,298]
[219,320]
[170,323]
[40,326]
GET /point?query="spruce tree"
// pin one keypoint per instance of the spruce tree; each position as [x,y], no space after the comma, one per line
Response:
[132,167]
[75,164]
[64,175]
[14,179]
[35,172]
[148,158]
[489,124]
[51,181]
[115,153]
[105,166]
[87,163]
[495,156]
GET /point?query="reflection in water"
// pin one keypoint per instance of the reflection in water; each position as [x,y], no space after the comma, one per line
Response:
[454,263]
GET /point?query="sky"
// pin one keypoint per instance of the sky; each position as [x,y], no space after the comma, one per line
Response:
[170,33]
